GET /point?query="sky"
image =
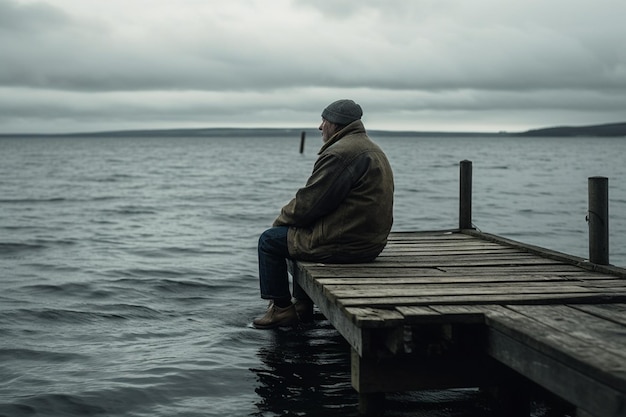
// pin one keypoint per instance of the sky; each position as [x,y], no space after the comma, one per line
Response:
[424,65]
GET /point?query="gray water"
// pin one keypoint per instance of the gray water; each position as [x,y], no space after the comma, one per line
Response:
[128,268]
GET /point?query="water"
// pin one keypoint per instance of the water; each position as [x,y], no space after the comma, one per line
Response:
[128,265]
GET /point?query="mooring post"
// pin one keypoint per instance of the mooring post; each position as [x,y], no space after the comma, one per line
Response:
[302,137]
[465,197]
[598,219]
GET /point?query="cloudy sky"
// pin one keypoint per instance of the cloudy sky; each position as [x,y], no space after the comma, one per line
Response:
[451,65]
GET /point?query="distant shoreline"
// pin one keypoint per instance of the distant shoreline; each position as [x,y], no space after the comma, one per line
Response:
[603,130]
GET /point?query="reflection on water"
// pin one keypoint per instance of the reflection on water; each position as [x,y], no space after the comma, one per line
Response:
[307,373]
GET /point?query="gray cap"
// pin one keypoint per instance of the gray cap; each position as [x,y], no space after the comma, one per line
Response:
[342,112]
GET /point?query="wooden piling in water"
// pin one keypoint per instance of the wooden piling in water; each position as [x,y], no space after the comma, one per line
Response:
[302,138]
[598,219]
[465,198]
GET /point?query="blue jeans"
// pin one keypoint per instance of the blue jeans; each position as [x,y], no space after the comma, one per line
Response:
[273,275]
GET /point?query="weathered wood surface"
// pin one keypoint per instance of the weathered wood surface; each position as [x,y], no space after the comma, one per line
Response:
[554,318]
[578,356]
[455,268]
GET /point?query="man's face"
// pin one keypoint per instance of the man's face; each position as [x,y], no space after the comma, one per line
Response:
[328,129]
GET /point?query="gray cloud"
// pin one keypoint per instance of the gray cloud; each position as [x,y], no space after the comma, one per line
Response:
[29,18]
[419,64]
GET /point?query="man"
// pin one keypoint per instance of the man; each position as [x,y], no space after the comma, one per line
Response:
[342,215]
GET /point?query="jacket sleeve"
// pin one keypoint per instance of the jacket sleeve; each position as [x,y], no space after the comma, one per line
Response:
[329,184]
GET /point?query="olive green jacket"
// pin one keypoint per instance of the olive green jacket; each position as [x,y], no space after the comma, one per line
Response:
[345,211]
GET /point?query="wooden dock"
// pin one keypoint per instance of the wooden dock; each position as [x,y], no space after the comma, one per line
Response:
[462,308]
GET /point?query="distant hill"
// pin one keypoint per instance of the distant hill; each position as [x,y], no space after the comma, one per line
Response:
[236,132]
[605,130]
[612,129]
[174,133]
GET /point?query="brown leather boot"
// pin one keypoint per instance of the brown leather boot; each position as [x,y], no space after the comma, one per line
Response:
[277,317]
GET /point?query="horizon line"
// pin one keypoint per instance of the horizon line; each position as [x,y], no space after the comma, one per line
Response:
[300,129]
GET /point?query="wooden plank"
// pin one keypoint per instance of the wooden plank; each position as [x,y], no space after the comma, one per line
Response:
[457,240]
[617,285]
[467,313]
[462,273]
[437,314]
[420,314]
[606,336]
[329,272]
[377,287]
[374,317]
[429,235]
[442,279]
[325,270]
[612,312]
[466,261]
[553,268]
[446,278]
[574,352]
[438,252]
[545,298]
[450,247]
[429,262]
[417,290]
[455,251]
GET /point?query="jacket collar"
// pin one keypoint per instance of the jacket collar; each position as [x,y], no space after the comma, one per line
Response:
[353,128]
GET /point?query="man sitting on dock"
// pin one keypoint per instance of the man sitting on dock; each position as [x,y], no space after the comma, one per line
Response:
[343,214]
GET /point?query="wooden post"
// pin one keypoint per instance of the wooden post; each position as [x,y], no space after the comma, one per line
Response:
[371,400]
[302,137]
[465,198]
[598,219]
